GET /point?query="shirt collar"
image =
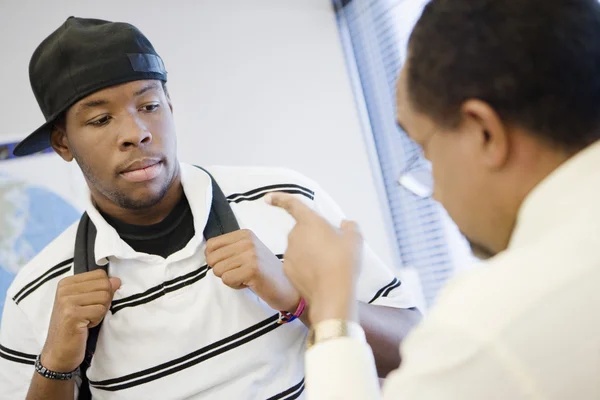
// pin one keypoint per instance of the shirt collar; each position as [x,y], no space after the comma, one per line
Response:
[570,189]
[197,187]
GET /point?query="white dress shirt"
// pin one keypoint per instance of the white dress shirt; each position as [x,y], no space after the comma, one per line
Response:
[525,325]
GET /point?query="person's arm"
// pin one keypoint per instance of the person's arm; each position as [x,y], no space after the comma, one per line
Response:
[439,362]
[450,356]
[241,260]
[386,304]
[385,327]
[19,348]
[331,366]
[81,303]
[323,264]
[342,369]
[47,389]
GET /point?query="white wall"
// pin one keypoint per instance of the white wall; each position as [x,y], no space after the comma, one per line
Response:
[254,82]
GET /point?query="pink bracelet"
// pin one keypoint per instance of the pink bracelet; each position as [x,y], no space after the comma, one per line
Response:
[285,317]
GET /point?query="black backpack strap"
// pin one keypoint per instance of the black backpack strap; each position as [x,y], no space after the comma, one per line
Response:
[221,220]
[84,260]
[85,240]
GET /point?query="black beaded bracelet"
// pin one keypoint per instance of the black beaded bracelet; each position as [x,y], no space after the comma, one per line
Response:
[48,374]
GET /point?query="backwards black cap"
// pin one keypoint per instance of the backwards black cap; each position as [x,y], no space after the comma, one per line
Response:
[80,58]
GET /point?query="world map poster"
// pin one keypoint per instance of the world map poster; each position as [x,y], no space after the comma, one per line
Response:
[40,197]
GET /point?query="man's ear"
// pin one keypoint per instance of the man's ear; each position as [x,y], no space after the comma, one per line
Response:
[60,143]
[491,135]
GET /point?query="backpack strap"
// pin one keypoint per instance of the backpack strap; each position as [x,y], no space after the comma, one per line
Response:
[221,220]
[85,261]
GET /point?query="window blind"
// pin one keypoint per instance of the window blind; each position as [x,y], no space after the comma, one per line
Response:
[375,35]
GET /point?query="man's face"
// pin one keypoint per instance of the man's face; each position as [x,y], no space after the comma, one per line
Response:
[123,138]
[461,180]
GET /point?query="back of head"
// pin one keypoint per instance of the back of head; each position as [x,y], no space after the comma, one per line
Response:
[536,62]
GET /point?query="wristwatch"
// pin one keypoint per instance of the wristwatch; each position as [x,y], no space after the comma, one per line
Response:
[333,329]
[48,374]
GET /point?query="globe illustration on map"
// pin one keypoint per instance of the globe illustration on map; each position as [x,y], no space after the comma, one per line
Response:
[30,218]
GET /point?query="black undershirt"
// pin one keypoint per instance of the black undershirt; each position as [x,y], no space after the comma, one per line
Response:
[164,238]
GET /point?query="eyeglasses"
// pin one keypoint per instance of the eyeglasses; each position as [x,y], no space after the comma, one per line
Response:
[416,175]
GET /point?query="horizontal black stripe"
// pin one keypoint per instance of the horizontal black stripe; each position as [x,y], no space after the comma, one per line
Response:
[189,360]
[158,291]
[41,280]
[56,274]
[17,360]
[114,309]
[258,196]
[17,356]
[181,359]
[295,395]
[294,391]
[270,188]
[17,353]
[383,289]
[385,294]
[262,191]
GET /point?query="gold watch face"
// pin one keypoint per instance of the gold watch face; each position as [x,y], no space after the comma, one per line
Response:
[332,329]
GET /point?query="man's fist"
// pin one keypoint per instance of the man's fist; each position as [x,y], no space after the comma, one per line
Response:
[81,302]
[241,260]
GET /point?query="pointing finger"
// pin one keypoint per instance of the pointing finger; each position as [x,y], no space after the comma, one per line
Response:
[296,208]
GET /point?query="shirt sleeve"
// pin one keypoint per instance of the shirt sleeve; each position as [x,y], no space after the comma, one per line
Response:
[441,361]
[341,369]
[377,284]
[438,362]
[18,351]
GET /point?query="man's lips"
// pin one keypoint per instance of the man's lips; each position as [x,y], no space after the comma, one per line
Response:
[143,170]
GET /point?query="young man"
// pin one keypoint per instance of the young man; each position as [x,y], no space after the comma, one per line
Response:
[503,96]
[181,317]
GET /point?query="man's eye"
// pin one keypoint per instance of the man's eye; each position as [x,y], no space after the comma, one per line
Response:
[101,121]
[150,107]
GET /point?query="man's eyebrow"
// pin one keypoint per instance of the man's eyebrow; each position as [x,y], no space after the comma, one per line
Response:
[91,104]
[103,102]
[148,87]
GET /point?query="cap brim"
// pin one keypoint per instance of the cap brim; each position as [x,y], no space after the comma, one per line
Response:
[39,140]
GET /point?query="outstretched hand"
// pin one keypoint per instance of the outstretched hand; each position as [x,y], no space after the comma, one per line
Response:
[321,261]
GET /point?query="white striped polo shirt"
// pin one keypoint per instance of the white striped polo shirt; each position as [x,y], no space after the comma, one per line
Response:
[175,331]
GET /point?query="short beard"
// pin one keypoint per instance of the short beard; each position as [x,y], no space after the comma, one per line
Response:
[117,197]
[130,204]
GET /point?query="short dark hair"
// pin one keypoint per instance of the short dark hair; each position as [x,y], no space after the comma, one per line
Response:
[536,62]
[60,122]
